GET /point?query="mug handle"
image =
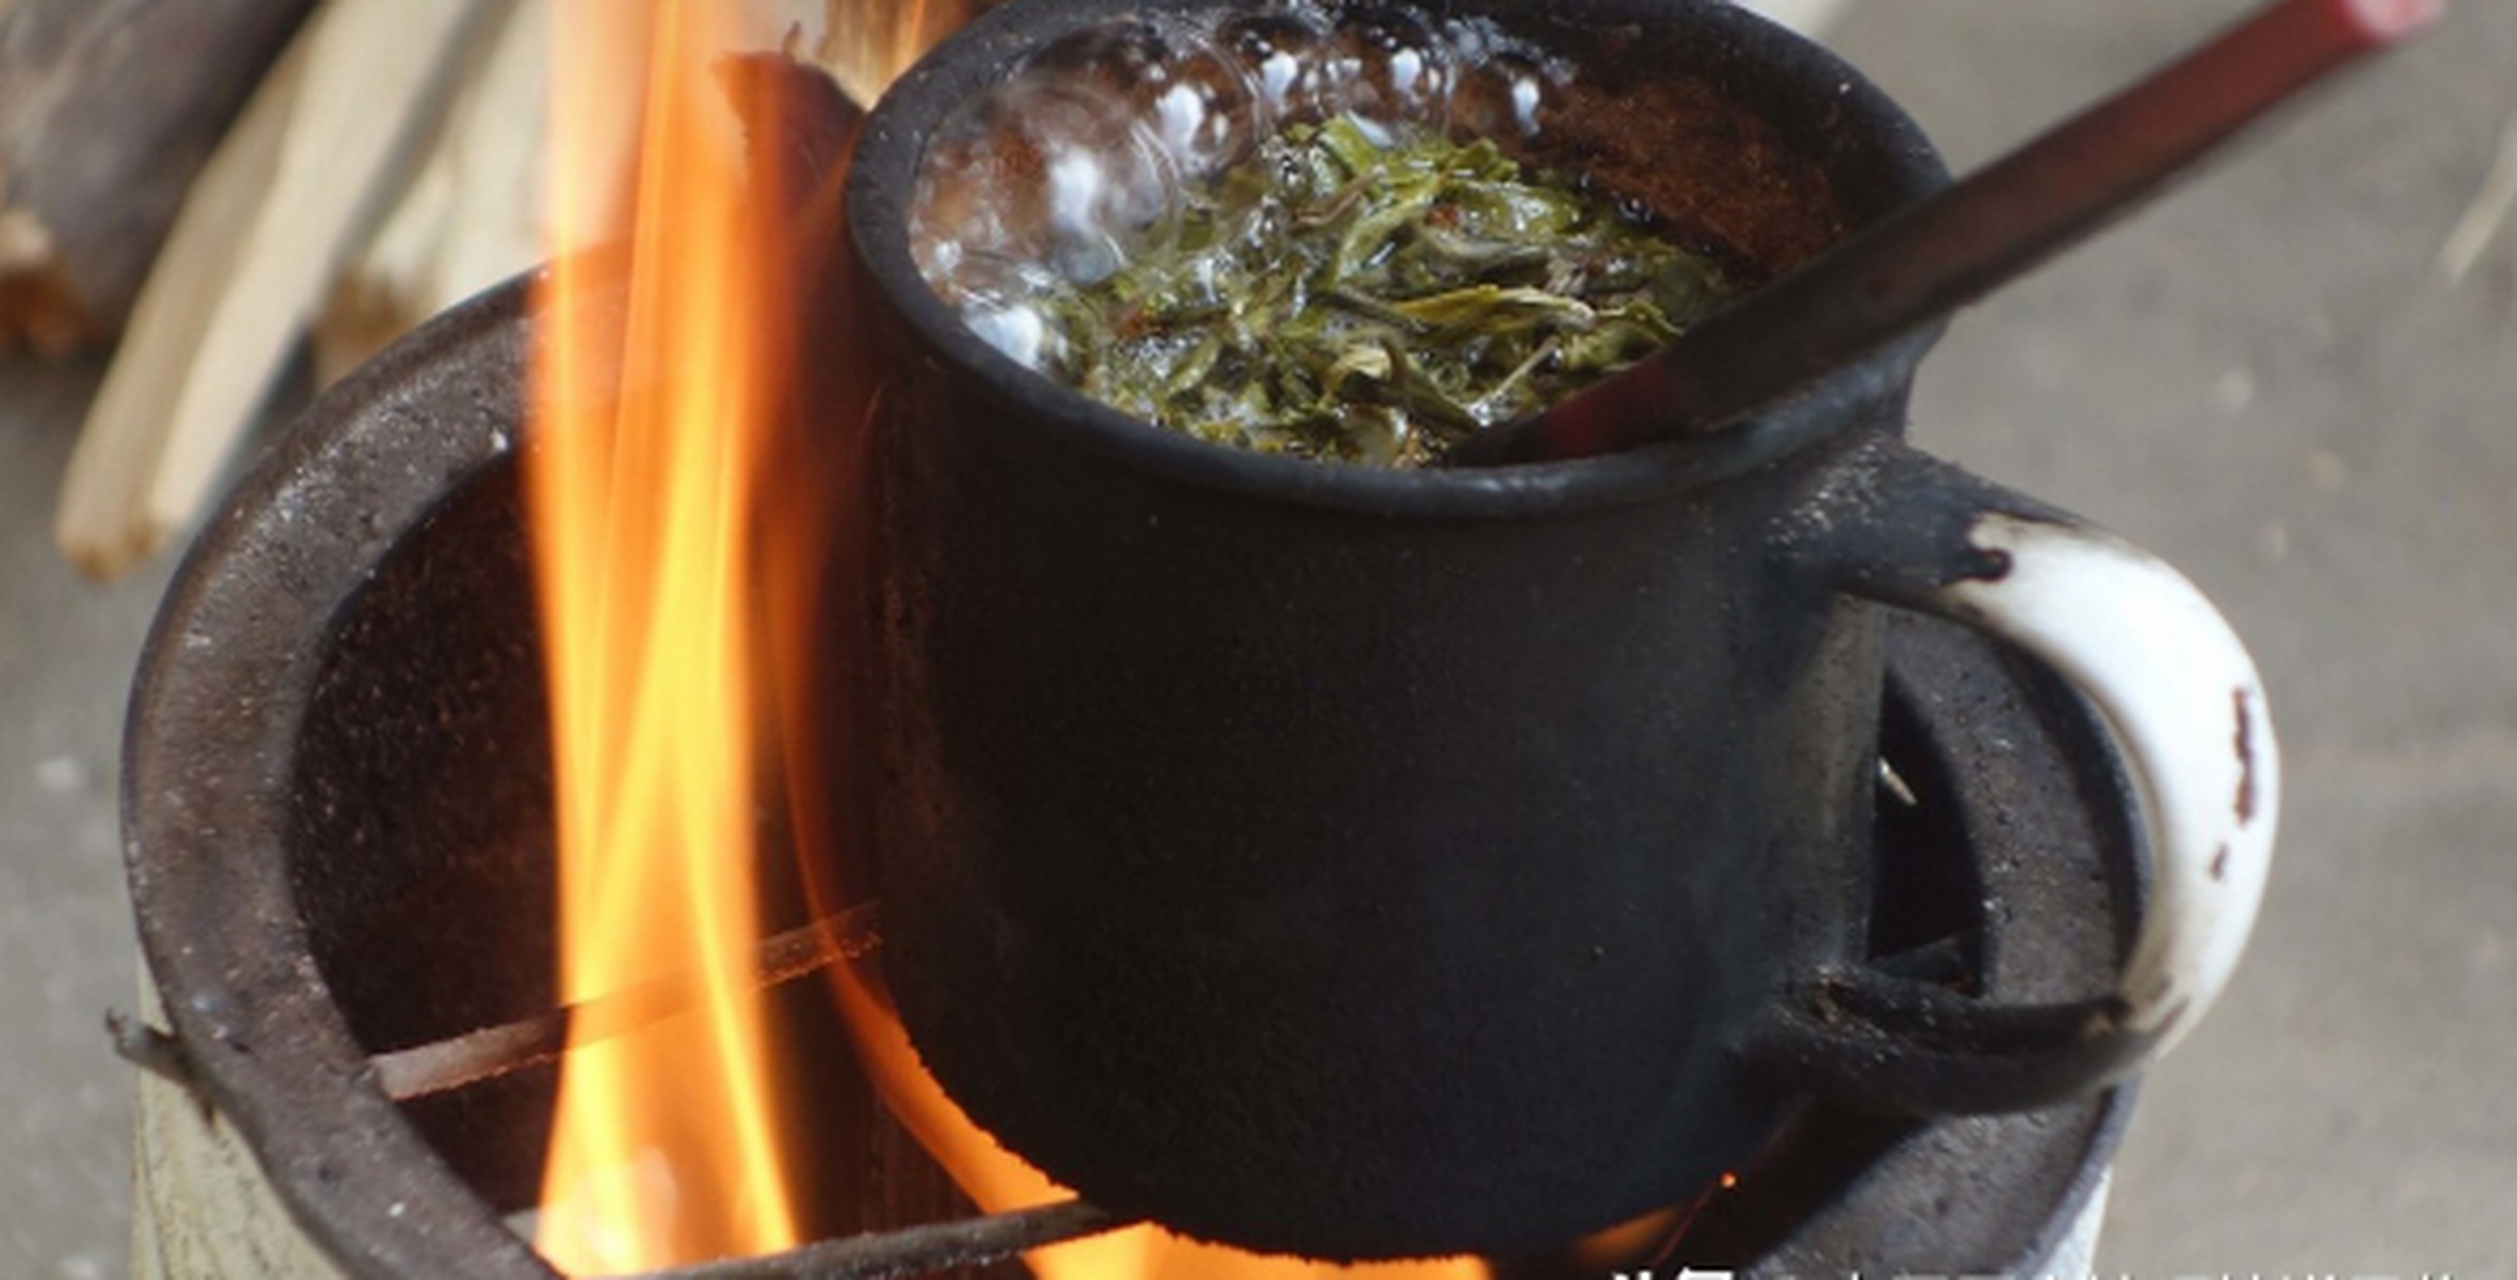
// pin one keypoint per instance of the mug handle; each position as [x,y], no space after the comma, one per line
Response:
[2185,707]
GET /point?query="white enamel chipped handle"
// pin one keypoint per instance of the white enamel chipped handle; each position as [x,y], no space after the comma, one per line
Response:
[2184,704]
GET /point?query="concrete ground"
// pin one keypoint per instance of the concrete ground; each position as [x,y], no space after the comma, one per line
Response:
[2267,379]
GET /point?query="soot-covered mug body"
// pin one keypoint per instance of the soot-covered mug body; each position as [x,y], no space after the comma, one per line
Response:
[1371,863]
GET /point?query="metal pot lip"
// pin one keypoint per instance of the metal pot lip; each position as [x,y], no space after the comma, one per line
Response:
[1888,151]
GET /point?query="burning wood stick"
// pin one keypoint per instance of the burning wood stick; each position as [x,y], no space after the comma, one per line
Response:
[474,1056]
[494,1051]
[258,239]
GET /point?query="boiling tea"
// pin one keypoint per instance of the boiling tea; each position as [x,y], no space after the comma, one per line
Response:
[1329,234]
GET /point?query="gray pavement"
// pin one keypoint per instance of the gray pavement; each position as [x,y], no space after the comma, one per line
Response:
[67,649]
[2264,379]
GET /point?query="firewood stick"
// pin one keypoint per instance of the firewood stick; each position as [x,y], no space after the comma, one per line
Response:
[915,1250]
[40,307]
[866,43]
[257,240]
[108,108]
[473,211]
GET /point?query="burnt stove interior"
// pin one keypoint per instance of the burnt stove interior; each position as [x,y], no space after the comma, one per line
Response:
[418,848]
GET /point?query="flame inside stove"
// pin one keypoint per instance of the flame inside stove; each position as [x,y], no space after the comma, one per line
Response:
[998,1181]
[646,455]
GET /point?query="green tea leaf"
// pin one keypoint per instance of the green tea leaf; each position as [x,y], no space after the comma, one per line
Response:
[1335,296]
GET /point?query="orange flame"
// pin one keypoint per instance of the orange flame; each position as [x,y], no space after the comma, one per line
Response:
[665,1147]
[997,1181]
[684,551]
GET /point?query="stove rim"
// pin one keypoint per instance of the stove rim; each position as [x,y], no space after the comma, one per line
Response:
[208,744]
[204,750]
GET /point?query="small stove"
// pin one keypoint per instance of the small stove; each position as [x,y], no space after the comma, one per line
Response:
[338,828]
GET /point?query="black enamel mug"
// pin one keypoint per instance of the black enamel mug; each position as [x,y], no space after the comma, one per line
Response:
[1367,863]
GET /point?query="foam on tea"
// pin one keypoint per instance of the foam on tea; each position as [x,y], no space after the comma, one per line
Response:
[1328,233]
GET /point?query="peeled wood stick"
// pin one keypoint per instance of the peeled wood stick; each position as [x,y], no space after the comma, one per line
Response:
[1954,247]
[471,211]
[259,238]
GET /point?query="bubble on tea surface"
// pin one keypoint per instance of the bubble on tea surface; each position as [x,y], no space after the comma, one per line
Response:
[1502,87]
[1206,109]
[1290,58]
[1063,164]
[1395,69]
[1081,161]
[1002,300]
[1119,58]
